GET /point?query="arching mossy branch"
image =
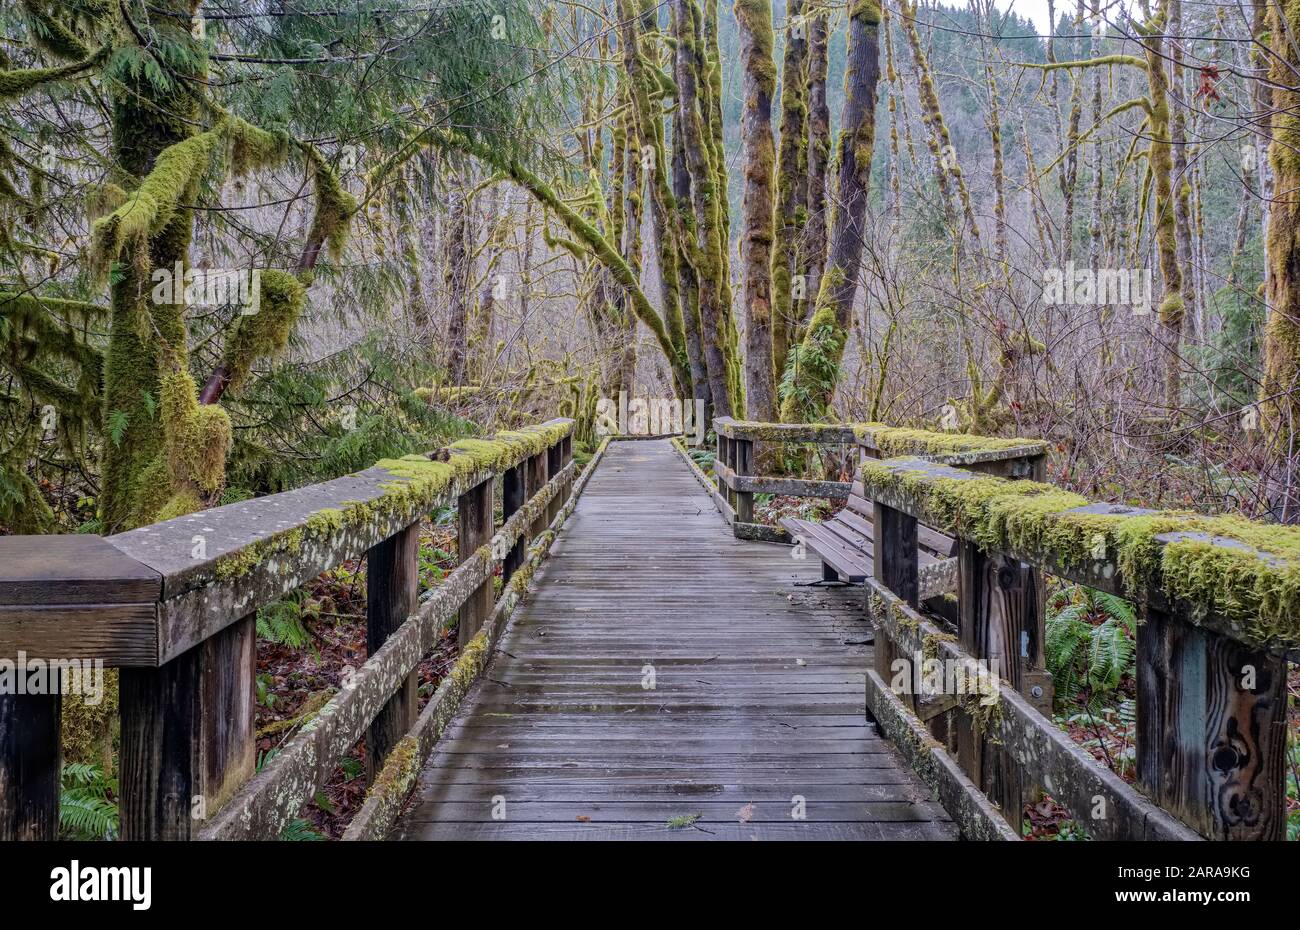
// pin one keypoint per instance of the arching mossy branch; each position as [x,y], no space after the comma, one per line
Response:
[583,231]
[18,81]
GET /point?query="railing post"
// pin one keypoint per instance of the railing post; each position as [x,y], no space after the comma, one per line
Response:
[536,481]
[997,601]
[723,456]
[743,454]
[392,594]
[474,530]
[1006,605]
[187,734]
[1211,730]
[554,463]
[512,498]
[566,456]
[70,597]
[894,565]
[31,763]
[894,552]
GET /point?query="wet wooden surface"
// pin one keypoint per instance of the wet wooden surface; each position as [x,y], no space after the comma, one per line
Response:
[664,670]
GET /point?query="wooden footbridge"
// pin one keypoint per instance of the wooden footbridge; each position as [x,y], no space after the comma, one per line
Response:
[640,659]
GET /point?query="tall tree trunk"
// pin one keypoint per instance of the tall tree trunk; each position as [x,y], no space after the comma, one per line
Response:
[458,281]
[946,166]
[1161,161]
[812,257]
[1069,177]
[689,290]
[1182,179]
[987,14]
[146,119]
[480,337]
[756,54]
[1263,106]
[1280,391]
[791,184]
[633,187]
[816,366]
[708,206]
[650,125]
[1097,30]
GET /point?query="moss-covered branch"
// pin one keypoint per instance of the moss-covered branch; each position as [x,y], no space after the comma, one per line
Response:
[18,81]
[587,234]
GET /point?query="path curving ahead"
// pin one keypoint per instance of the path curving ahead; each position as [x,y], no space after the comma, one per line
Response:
[663,670]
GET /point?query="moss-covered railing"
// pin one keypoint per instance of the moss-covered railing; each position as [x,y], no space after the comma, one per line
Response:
[1219,599]
[174,605]
[736,483]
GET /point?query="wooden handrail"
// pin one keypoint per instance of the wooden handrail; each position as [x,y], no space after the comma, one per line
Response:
[1212,644]
[174,606]
[737,485]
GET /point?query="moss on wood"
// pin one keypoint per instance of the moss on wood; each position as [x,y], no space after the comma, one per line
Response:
[418,482]
[1226,566]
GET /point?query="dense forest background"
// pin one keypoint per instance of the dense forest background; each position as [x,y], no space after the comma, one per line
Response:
[459,284]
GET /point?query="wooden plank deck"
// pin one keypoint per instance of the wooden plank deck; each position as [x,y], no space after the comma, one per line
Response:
[758,697]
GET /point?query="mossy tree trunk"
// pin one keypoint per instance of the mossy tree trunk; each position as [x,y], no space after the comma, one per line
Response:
[1160,158]
[756,51]
[1181,165]
[948,173]
[689,288]
[791,184]
[708,206]
[1068,177]
[987,19]
[632,189]
[458,277]
[809,383]
[812,254]
[1280,390]
[646,84]
[146,120]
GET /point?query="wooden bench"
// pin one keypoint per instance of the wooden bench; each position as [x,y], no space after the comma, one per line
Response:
[844,543]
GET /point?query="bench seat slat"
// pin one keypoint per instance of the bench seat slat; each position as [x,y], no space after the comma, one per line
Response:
[850,564]
[859,513]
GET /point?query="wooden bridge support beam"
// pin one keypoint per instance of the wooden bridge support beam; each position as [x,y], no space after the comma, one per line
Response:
[1211,730]
[392,594]
[187,734]
[31,763]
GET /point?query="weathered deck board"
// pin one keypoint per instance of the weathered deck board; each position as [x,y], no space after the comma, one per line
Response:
[758,690]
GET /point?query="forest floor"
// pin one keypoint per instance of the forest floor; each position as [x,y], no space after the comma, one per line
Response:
[296,678]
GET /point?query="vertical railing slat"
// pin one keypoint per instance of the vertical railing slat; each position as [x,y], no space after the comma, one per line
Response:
[392,593]
[474,529]
[30,766]
[1211,730]
[187,734]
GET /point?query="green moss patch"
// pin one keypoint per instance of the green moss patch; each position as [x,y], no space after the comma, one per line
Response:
[895,441]
[1247,573]
[417,483]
